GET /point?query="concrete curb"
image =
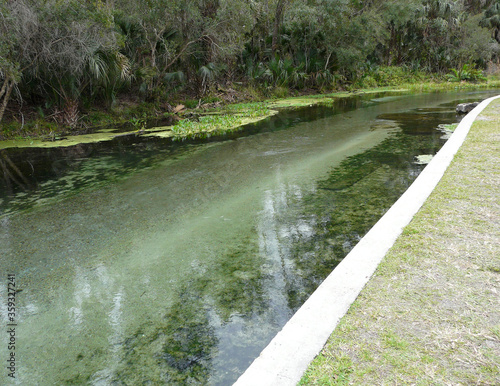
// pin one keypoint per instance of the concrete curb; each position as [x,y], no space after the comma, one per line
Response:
[286,358]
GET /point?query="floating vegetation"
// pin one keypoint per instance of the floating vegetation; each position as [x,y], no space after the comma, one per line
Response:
[250,110]
[206,126]
[448,127]
[423,159]
[233,119]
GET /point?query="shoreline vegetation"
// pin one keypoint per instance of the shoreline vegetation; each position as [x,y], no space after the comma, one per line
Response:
[123,67]
[201,121]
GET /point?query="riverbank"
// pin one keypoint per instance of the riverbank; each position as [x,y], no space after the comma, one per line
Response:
[201,121]
[430,314]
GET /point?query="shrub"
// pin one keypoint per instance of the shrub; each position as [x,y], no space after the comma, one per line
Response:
[466,73]
[280,92]
[394,75]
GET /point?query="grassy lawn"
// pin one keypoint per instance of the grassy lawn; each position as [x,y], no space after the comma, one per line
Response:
[431,313]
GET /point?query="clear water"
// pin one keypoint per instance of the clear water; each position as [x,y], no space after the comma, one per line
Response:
[146,262]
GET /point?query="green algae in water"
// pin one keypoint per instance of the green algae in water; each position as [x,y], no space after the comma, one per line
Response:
[342,209]
[179,348]
[53,174]
[351,200]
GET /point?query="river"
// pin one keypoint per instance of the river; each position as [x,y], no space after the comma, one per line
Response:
[142,261]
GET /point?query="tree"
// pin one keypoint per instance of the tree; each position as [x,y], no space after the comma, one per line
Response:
[396,17]
[351,31]
[70,53]
[75,52]
[278,20]
[181,37]
[491,20]
[62,50]
[9,66]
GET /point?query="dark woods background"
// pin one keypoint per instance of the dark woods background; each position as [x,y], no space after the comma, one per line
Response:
[62,56]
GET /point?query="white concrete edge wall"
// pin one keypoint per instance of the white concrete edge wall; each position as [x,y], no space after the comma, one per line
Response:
[286,358]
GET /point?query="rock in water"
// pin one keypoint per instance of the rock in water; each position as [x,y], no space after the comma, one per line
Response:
[464,108]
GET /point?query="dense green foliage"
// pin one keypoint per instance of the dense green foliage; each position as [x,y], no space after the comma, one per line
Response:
[66,55]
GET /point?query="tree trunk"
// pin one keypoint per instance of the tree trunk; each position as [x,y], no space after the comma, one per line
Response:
[71,114]
[278,17]
[5,93]
[4,86]
[392,45]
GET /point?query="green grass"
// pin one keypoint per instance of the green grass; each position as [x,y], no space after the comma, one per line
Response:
[429,315]
[393,340]
[38,128]
[335,370]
